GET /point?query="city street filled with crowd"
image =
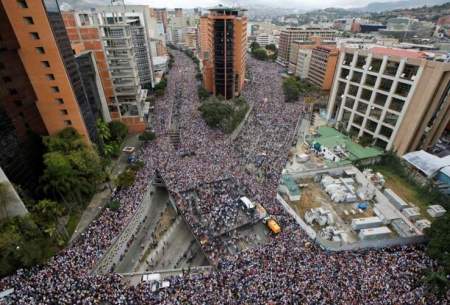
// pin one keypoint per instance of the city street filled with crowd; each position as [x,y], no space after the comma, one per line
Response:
[288,269]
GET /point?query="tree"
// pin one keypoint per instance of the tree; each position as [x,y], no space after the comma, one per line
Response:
[147,136]
[119,131]
[203,94]
[47,210]
[72,169]
[66,140]
[260,54]
[439,245]
[254,45]
[272,47]
[437,282]
[291,89]
[126,179]
[103,131]
[215,112]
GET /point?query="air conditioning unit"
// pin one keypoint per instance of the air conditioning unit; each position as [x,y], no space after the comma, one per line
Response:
[344,62]
[347,77]
[364,67]
[370,68]
[413,77]
[402,75]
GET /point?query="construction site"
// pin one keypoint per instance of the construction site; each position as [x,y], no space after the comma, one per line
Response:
[344,208]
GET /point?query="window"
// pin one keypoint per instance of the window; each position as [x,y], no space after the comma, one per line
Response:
[2,66]
[59,101]
[353,90]
[370,80]
[371,125]
[50,76]
[18,103]
[55,89]
[349,102]
[361,108]
[64,112]
[35,35]
[396,104]
[385,84]
[68,122]
[28,20]
[356,77]
[391,118]
[45,64]
[375,65]
[361,61]
[344,73]
[386,131]
[381,144]
[402,89]
[380,99]
[357,119]
[7,79]
[391,68]
[40,50]
[348,59]
[21,114]
[22,3]
[366,94]
[375,113]
[13,91]
[409,72]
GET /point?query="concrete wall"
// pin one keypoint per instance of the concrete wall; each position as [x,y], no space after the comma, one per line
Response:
[13,204]
[119,245]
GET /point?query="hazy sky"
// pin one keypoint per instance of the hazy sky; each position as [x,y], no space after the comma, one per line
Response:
[300,4]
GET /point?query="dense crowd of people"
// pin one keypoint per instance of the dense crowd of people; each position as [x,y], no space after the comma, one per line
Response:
[288,269]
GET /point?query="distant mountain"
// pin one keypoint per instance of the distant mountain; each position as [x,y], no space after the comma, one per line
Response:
[404,4]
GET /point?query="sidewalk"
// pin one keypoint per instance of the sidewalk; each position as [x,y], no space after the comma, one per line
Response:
[101,198]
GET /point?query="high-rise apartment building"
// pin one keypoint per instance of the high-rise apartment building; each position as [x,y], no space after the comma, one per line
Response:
[305,48]
[46,55]
[122,60]
[223,43]
[40,87]
[84,36]
[289,35]
[398,98]
[141,26]
[322,66]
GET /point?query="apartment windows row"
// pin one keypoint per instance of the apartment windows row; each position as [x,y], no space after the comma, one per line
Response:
[401,89]
[391,69]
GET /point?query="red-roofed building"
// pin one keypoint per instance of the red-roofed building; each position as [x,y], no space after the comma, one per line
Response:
[398,52]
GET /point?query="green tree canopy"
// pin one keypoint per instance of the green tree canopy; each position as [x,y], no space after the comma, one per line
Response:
[291,89]
[215,112]
[147,136]
[271,47]
[72,169]
[254,45]
[119,131]
[260,53]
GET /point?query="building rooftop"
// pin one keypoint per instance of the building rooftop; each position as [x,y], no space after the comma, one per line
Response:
[398,52]
[425,162]
[330,138]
